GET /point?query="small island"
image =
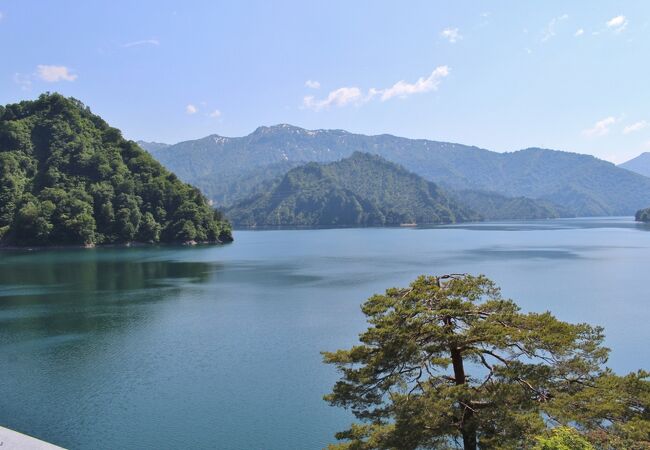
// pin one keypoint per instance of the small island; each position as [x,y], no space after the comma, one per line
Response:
[643,215]
[68,178]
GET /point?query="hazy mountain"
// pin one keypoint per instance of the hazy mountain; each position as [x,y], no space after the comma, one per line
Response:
[492,206]
[152,146]
[640,164]
[362,189]
[230,169]
[67,177]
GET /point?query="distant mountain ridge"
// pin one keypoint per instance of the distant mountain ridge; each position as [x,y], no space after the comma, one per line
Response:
[362,189]
[640,164]
[492,206]
[231,169]
[152,146]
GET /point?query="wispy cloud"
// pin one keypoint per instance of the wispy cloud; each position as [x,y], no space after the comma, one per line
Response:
[54,74]
[600,128]
[579,32]
[215,114]
[154,42]
[191,109]
[353,95]
[551,27]
[2,16]
[339,97]
[637,126]
[451,34]
[403,89]
[618,23]
[312,84]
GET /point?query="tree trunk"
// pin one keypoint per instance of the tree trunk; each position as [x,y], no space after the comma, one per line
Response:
[468,428]
[469,437]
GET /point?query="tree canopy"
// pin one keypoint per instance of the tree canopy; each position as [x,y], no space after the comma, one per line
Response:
[67,177]
[449,363]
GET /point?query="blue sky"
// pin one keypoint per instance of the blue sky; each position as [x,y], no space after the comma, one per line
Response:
[502,75]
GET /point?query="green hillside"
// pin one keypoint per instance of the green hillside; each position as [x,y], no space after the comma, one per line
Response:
[363,190]
[68,178]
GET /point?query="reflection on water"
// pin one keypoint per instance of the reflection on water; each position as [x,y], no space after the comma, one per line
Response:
[218,347]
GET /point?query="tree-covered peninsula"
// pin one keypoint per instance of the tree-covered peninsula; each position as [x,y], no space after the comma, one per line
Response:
[68,178]
[643,215]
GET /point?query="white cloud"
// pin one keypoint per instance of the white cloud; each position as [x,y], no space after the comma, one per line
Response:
[353,95]
[527,50]
[2,16]
[550,29]
[637,126]
[618,23]
[191,109]
[579,32]
[311,84]
[142,42]
[600,128]
[339,97]
[403,89]
[53,74]
[451,34]
[215,114]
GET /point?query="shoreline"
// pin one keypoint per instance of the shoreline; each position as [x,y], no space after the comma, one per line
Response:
[116,245]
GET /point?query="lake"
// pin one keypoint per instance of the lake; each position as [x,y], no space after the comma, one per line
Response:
[218,347]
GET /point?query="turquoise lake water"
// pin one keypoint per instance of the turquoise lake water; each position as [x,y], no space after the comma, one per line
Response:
[218,347]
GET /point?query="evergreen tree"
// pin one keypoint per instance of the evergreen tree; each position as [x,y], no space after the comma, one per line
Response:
[448,362]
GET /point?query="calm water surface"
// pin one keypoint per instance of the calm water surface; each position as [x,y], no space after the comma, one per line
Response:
[218,347]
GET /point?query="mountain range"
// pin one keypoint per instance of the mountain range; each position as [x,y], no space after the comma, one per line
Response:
[229,170]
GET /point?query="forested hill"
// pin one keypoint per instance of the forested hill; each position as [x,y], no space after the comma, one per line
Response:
[229,169]
[68,178]
[643,215]
[363,189]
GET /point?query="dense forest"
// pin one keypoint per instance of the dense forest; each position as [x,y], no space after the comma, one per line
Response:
[229,170]
[68,178]
[363,189]
[643,215]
